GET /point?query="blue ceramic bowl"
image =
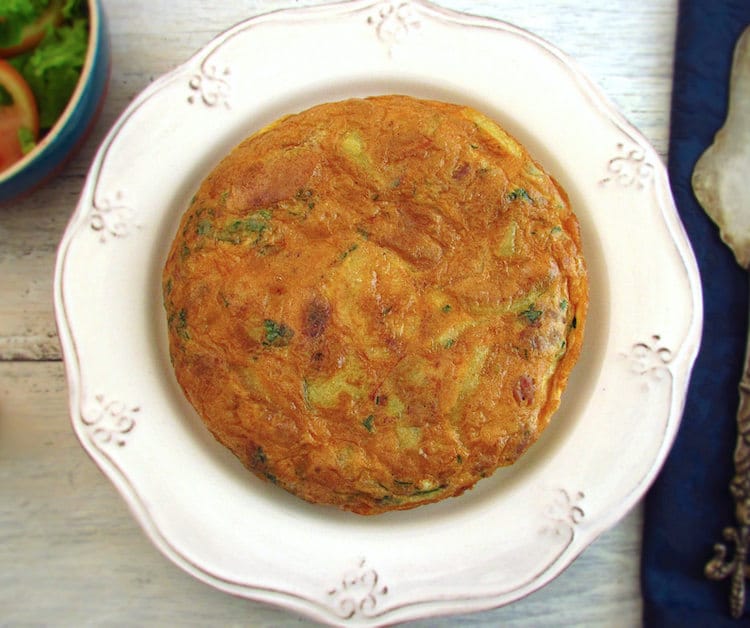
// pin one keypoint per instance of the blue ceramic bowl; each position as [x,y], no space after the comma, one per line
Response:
[68,133]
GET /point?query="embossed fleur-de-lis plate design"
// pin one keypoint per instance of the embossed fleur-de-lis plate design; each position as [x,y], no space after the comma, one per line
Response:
[516,530]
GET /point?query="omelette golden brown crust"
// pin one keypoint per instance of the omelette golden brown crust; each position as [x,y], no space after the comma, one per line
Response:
[376,302]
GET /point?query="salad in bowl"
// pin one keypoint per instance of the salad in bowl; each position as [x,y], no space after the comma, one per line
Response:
[54,62]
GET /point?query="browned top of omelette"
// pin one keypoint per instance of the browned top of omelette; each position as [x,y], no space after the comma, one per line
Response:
[376,302]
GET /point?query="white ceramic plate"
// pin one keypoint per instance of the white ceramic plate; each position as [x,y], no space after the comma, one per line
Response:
[518,529]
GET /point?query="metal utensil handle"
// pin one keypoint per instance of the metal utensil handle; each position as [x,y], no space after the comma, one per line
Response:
[719,568]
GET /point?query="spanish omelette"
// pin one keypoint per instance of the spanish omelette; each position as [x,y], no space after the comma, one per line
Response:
[375,303]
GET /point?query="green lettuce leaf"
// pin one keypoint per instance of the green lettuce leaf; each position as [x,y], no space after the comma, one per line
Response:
[53,68]
[74,8]
[26,137]
[14,15]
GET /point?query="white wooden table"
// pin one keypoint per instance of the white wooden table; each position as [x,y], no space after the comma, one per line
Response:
[70,553]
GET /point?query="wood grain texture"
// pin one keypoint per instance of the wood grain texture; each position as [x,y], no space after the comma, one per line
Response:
[70,552]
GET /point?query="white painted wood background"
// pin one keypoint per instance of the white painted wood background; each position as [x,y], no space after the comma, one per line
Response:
[70,553]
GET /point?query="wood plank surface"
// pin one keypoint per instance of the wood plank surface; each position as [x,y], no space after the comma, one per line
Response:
[70,551]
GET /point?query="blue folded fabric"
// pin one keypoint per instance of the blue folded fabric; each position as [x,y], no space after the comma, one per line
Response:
[689,504]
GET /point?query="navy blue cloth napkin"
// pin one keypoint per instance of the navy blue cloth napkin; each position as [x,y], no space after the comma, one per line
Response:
[690,504]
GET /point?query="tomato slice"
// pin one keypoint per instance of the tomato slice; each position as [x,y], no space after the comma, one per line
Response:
[10,142]
[32,34]
[22,114]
